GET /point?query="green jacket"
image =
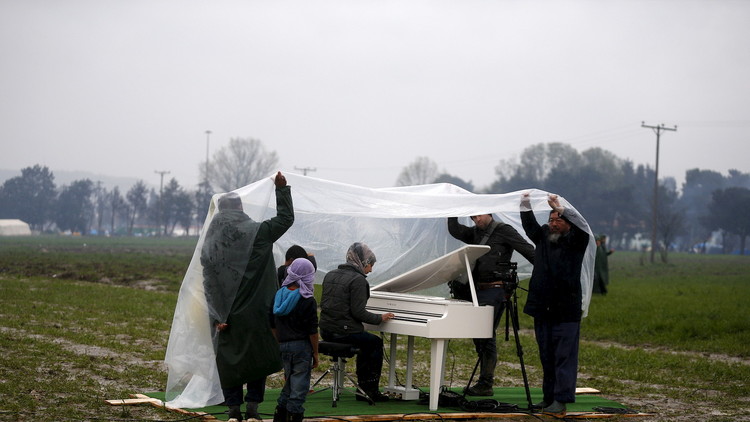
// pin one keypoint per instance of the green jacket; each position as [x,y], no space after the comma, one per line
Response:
[247,349]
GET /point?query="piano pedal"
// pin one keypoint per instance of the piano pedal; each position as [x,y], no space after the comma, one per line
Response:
[402,393]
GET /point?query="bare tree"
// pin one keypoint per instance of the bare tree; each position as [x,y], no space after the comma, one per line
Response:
[421,171]
[670,224]
[535,164]
[240,163]
[116,203]
[138,203]
[102,197]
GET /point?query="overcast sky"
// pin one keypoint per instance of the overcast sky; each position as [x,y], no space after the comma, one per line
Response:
[357,90]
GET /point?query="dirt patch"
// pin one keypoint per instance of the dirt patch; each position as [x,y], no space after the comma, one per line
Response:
[711,356]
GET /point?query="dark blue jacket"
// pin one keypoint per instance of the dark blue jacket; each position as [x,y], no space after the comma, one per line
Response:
[555,286]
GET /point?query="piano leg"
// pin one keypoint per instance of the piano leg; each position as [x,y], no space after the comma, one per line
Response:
[392,362]
[406,392]
[437,360]
[409,363]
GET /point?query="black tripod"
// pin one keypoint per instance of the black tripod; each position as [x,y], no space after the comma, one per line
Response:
[510,301]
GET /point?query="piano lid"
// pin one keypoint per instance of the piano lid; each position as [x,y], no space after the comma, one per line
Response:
[436,272]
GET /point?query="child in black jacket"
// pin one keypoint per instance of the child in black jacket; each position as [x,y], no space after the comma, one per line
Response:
[294,322]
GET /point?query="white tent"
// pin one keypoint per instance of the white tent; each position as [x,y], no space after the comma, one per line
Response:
[14,227]
[405,227]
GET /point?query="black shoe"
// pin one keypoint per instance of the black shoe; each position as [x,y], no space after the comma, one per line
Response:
[235,415]
[480,390]
[252,412]
[540,405]
[296,417]
[280,414]
[374,395]
[555,409]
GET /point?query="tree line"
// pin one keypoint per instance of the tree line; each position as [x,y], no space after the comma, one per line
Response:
[86,207]
[615,195]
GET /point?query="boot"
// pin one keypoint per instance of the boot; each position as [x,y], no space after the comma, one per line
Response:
[252,411]
[280,414]
[377,396]
[235,414]
[480,389]
[296,417]
[555,409]
[373,391]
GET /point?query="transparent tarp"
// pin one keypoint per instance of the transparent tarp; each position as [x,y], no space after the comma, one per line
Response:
[405,227]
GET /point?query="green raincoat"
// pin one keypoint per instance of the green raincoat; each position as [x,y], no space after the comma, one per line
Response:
[241,292]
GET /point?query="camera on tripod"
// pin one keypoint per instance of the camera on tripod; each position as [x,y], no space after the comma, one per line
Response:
[507,272]
[494,270]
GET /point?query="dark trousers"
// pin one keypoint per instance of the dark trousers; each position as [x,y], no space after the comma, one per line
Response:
[297,358]
[255,391]
[558,351]
[487,347]
[369,358]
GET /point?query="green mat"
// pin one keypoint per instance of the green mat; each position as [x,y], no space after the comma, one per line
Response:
[319,404]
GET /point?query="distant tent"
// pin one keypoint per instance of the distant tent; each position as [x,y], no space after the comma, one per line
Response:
[14,227]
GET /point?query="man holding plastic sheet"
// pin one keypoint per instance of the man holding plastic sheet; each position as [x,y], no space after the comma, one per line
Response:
[502,239]
[239,278]
[555,298]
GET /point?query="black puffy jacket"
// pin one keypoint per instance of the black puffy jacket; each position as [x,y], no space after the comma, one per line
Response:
[342,304]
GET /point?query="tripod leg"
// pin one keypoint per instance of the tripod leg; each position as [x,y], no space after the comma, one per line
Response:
[471,378]
[513,312]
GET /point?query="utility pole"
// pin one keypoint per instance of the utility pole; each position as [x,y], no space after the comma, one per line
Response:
[304,170]
[208,136]
[657,129]
[161,202]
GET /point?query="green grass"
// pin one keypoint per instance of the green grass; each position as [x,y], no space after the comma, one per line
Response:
[695,303]
[159,262]
[66,346]
[665,333]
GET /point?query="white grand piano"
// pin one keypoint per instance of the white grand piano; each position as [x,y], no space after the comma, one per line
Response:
[433,317]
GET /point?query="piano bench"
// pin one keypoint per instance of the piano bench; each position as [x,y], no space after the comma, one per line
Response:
[339,352]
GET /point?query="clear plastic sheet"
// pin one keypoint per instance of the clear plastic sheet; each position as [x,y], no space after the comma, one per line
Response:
[405,228]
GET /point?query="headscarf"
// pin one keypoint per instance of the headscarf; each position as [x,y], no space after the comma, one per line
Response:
[360,256]
[302,272]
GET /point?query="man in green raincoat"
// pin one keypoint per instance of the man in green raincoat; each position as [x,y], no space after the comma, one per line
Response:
[239,278]
[601,266]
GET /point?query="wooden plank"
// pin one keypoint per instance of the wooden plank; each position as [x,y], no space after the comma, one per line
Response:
[128,402]
[159,403]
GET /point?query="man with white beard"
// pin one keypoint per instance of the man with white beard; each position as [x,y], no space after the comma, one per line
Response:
[554,299]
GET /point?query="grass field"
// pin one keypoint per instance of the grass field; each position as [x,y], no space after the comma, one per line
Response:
[83,320]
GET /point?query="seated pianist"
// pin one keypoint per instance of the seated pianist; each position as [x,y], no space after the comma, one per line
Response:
[342,314]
